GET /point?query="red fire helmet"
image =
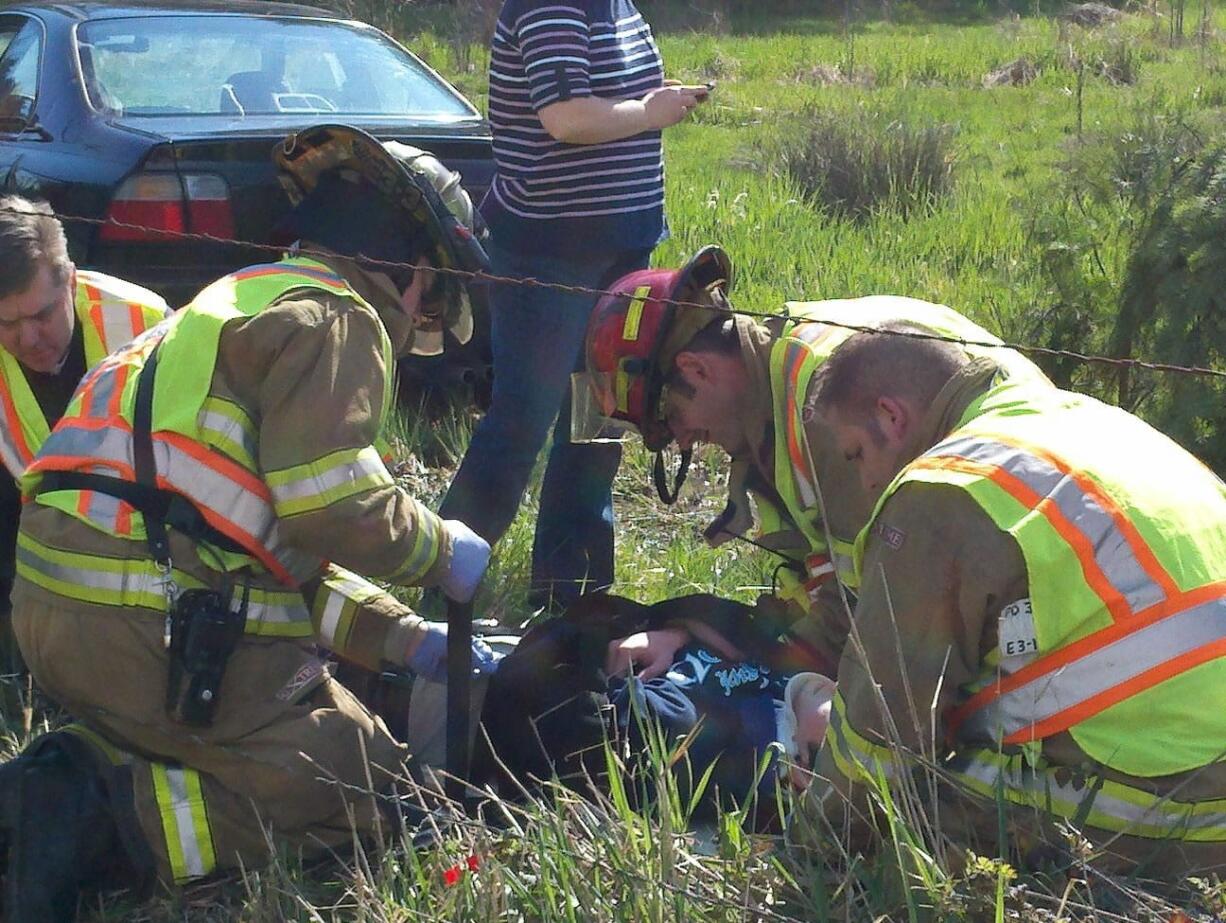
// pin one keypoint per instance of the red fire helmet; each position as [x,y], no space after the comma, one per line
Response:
[635,333]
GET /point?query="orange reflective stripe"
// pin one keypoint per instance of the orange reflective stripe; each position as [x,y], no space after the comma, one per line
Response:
[245,480]
[14,440]
[219,463]
[1140,549]
[95,314]
[1076,682]
[1076,650]
[322,276]
[225,469]
[136,318]
[123,519]
[121,379]
[794,363]
[1130,687]
[1112,598]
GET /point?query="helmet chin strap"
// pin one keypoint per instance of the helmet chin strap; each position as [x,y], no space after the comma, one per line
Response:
[661,480]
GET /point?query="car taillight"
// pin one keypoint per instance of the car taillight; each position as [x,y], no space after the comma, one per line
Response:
[208,205]
[157,205]
[150,202]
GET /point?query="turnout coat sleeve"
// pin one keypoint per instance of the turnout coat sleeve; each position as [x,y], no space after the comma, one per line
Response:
[315,371]
[937,572]
[361,622]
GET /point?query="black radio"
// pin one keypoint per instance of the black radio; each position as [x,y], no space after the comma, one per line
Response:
[204,631]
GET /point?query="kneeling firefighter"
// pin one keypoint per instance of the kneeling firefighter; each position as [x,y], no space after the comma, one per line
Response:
[172,588]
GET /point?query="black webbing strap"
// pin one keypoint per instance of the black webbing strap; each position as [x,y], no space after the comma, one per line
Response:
[160,508]
[155,505]
[142,452]
[661,480]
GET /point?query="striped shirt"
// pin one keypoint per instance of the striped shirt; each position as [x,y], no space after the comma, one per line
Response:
[572,197]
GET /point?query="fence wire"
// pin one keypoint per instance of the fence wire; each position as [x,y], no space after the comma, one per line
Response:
[491,278]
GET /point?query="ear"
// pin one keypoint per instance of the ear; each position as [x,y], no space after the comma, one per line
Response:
[895,417]
[693,366]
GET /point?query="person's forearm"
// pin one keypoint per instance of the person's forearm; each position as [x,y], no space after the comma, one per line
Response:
[593,120]
[359,622]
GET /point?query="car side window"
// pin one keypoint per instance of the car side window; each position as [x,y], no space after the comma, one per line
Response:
[23,42]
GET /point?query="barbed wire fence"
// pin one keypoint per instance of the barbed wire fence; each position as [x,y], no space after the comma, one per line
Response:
[493,279]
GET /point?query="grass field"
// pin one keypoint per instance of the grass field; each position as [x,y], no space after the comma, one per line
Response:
[975,249]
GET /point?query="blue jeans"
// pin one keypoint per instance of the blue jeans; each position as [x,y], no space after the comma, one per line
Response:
[537,341]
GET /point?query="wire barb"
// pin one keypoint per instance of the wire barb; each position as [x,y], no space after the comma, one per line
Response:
[485,277]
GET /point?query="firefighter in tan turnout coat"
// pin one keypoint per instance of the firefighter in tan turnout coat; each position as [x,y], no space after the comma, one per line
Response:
[694,375]
[172,583]
[1041,617]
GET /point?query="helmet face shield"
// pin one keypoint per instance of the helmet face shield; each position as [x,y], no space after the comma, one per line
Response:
[591,410]
[595,414]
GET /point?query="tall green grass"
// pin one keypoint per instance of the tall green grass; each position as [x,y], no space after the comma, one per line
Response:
[564,859]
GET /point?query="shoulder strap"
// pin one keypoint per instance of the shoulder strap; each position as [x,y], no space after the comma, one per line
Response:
[142,451]
[160,508]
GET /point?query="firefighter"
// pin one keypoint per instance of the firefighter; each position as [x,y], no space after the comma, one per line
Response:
[55,322]
[171,585]
[706,375]
[1047,574]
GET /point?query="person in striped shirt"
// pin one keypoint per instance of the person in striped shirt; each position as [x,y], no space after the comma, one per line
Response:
[577,102]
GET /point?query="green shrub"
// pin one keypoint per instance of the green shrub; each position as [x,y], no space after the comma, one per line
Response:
[860,163]
[1135,257]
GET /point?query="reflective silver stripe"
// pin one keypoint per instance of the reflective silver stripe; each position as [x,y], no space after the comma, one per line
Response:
[228,429]
[8,452]
[116,323]
[366,464]
[185,823]
[108,443]
[125,582]
[137,584]
[1114,807]
[197,481]
[101,390]
[1112,553]
[104,508]
[844,566]
[1098,671]
[334,608]
[857,753]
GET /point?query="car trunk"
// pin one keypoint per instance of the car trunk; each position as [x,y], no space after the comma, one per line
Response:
[238,151]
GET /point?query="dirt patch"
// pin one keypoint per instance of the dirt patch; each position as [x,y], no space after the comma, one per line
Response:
[1014,74]
[828,75]
[1091,15]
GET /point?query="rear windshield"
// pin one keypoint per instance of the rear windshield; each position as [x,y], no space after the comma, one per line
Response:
[235,66]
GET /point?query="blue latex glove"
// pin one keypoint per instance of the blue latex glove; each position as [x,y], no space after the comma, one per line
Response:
[430,658]
[470,556]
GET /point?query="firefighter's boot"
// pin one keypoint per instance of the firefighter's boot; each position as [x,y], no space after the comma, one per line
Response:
[57,832]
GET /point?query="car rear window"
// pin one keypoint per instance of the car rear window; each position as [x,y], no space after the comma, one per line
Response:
[234,66]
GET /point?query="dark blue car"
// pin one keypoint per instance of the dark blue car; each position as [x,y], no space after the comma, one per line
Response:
[163,115]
